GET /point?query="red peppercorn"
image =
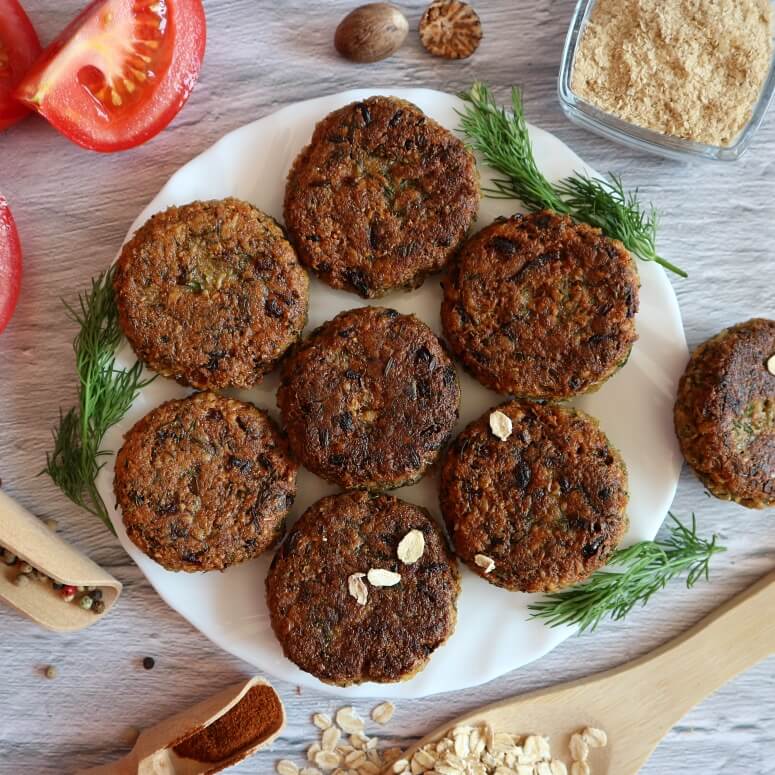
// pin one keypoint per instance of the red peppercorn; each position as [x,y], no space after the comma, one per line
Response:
[68,590]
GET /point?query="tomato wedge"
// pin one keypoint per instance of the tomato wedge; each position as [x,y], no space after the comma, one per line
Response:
[119,72]
[19,48]
[10,264]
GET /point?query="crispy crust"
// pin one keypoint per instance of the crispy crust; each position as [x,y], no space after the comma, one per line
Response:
[541,307]
[204,482]
[381,197]
[547,505]
[369,399]
[725,414]
[322,628]
[211,293]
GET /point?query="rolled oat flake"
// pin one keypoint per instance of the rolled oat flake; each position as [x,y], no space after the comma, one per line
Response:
[771,365]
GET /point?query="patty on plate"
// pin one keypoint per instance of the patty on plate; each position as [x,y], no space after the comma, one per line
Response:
[539,306]
[204,482]
[211,293]
[725,413]
[381,197]
[543,508]
[333,617]
[369,399]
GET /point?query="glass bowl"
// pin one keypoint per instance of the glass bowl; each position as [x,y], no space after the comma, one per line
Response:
[613,128]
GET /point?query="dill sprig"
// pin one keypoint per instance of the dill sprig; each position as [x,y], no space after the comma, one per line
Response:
[646,567]
[504,141]
[105,394]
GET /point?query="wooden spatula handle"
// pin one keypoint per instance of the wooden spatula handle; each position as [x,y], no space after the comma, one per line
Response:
[687,669]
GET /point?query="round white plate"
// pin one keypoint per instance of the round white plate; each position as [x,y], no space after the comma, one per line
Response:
[635,409]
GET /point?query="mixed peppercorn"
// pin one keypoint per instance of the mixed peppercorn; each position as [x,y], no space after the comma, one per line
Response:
[88,598]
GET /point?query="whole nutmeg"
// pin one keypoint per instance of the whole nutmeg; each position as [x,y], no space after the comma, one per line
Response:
[371,32]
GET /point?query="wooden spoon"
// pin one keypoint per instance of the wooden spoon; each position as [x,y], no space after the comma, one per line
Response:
[639,702]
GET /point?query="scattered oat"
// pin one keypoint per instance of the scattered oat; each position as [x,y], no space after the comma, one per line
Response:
[558,768]
[310,771]
[579,768]
[400,765]
[285,767]
[595,738]
[349,721]
[379,577]
[327,760]
[500,425]
[411,547]
[358,588]
[579,750]
[330,739]
[313,751]
[322,721]
[485,562]
[383,712]
[771,365]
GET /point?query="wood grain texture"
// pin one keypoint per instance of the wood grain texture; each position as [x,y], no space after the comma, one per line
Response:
[73,209]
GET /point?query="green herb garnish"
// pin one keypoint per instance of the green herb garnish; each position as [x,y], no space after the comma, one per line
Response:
[503,140]
[105,394]
[646,567]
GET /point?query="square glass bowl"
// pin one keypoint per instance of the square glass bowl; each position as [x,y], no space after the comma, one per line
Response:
[613,128]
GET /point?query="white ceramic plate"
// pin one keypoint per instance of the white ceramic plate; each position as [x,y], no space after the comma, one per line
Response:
[635,409]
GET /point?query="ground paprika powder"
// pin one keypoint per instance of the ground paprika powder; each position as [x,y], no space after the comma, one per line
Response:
[254,718]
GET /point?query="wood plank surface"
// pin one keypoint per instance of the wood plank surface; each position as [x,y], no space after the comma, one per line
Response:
[73,208]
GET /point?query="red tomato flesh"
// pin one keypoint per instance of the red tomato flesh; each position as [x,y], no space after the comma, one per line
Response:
[10,264]
[19,48]
[119,72]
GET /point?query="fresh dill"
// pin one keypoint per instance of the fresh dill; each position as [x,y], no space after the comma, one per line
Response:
[504,141]
[646,567]
[105,393]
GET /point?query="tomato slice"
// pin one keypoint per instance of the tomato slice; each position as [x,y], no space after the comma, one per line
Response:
[119,72]
[19,48]
[10,264]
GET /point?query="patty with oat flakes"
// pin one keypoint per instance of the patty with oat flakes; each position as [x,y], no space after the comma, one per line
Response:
[324,629]
[541,307]
[541,510]
[204,482]
[725,414]
[211,293]
[369,399]
[380,198]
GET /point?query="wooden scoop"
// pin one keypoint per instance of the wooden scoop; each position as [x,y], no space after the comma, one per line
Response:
[638,703]
[31,541]
[155,751]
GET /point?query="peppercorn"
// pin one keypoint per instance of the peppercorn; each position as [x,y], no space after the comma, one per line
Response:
[96,594]
[57,585]
[68,593]
[38,575]
[9,557]
[148,663]
[85,602]
[52,525]
[51,672]
[20,580]
[98,606]
[25,567]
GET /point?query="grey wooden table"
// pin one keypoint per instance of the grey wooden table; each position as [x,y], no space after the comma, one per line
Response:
[73,209]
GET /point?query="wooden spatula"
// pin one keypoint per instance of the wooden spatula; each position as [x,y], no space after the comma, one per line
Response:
[638,703]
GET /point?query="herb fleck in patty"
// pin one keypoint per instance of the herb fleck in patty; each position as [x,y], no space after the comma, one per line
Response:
[381,197]
[211,293]
[204,482]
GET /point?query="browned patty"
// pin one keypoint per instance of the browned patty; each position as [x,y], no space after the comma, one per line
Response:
[547,505]
[204,482]
[323,628]
[725,414]
[211,293]
[541,307]
[381,197]
[369,399]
